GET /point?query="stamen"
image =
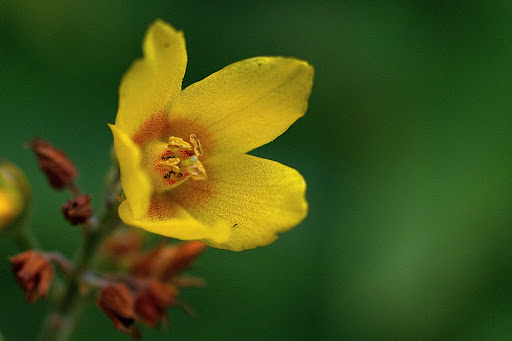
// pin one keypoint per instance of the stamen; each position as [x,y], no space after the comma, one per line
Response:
[181,161]
[177,143]
[170,163]
[197,171]
[198,150]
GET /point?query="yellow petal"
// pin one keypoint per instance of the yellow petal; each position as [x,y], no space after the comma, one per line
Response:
[151,82]
[247,104]
[255,198]
[135,182]
[168,219]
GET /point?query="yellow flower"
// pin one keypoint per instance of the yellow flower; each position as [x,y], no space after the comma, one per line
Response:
[182,157]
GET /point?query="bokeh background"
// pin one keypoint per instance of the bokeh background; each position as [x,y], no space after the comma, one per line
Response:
[406,148]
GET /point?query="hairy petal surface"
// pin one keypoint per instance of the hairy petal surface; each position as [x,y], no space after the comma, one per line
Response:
[154,80]
[256,198]
[136,184]
[247,104]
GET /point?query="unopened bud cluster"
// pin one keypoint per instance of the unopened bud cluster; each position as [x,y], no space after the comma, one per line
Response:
[61,174]
[151,285]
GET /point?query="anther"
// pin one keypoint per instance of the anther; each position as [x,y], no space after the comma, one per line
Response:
[177,143]
[171,164]
[198,150]
[197,171]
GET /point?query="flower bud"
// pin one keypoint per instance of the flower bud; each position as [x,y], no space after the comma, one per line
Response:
[123,245]
[166,261]
[15,194]
[34,273]
[117,302]
[11,206]
[78,210]
[152,302]
[58,168]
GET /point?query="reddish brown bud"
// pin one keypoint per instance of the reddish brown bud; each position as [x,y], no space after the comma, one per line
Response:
[57,167]
[116,300]
[187,253]
[151,303]
[124,245]
[78,210]
[166,261]
[34,273]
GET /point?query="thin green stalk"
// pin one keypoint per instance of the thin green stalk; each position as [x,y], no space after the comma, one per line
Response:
[61,322]
[24,239]
[19,232]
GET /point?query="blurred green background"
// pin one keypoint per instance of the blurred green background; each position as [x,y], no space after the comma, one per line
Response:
[406,148]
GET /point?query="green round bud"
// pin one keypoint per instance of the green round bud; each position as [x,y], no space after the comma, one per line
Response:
[15,194]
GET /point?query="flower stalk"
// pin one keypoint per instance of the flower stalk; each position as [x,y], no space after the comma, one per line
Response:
[61,321]
[23,238]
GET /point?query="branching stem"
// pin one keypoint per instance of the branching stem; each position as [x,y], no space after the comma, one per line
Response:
[60,322]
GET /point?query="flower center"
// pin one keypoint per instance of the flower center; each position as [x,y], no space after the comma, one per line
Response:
[171,164]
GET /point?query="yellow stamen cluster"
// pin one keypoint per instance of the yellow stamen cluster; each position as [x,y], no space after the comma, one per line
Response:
[180,163]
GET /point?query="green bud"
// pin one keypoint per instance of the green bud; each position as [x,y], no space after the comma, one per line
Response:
[15,194]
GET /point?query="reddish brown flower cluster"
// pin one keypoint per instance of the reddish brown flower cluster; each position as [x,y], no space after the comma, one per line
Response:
[150,289]
[146,301]
[147,282]
[34,273]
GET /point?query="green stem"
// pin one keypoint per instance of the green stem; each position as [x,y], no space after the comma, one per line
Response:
[24,239]
[19,232]
[60,323]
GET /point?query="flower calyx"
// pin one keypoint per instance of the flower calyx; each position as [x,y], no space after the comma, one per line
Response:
[123,246]
[58,168]
[116,300]
[166,261]
[34,273]
[152,301]
[78,210]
